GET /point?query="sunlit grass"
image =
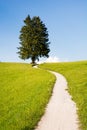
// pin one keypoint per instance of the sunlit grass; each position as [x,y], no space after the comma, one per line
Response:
[24,93]
[76,75]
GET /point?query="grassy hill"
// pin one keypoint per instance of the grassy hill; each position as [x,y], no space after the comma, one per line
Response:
[24,93]
[76,75]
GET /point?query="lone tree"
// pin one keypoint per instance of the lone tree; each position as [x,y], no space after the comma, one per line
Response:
[34,42]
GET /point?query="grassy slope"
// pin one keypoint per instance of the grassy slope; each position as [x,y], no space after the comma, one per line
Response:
[76,74]
[24,93]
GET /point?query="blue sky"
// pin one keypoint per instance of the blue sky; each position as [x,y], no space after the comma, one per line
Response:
[66,21]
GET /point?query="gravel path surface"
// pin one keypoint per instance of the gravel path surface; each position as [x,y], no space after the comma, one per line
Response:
[60,113]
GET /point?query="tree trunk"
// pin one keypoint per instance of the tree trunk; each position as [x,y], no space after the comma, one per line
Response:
[33,60]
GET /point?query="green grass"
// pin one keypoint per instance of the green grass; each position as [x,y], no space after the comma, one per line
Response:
[24,93]
[76,75]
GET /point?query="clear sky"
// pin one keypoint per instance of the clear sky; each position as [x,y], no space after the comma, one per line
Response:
[66,21]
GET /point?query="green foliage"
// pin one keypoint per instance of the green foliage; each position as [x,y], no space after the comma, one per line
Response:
[33,40]
[24,93]
[76,74]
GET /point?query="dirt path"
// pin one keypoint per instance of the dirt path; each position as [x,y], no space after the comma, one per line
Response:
[61,110]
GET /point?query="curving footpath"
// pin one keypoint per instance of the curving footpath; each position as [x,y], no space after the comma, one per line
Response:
[60,113]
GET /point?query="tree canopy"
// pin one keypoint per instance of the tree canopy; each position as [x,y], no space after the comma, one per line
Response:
[34,42]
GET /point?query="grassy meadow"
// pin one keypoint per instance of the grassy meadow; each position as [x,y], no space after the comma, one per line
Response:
[24,93]
[76,75]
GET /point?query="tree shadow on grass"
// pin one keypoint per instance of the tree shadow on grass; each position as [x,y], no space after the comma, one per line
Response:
[27,128]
